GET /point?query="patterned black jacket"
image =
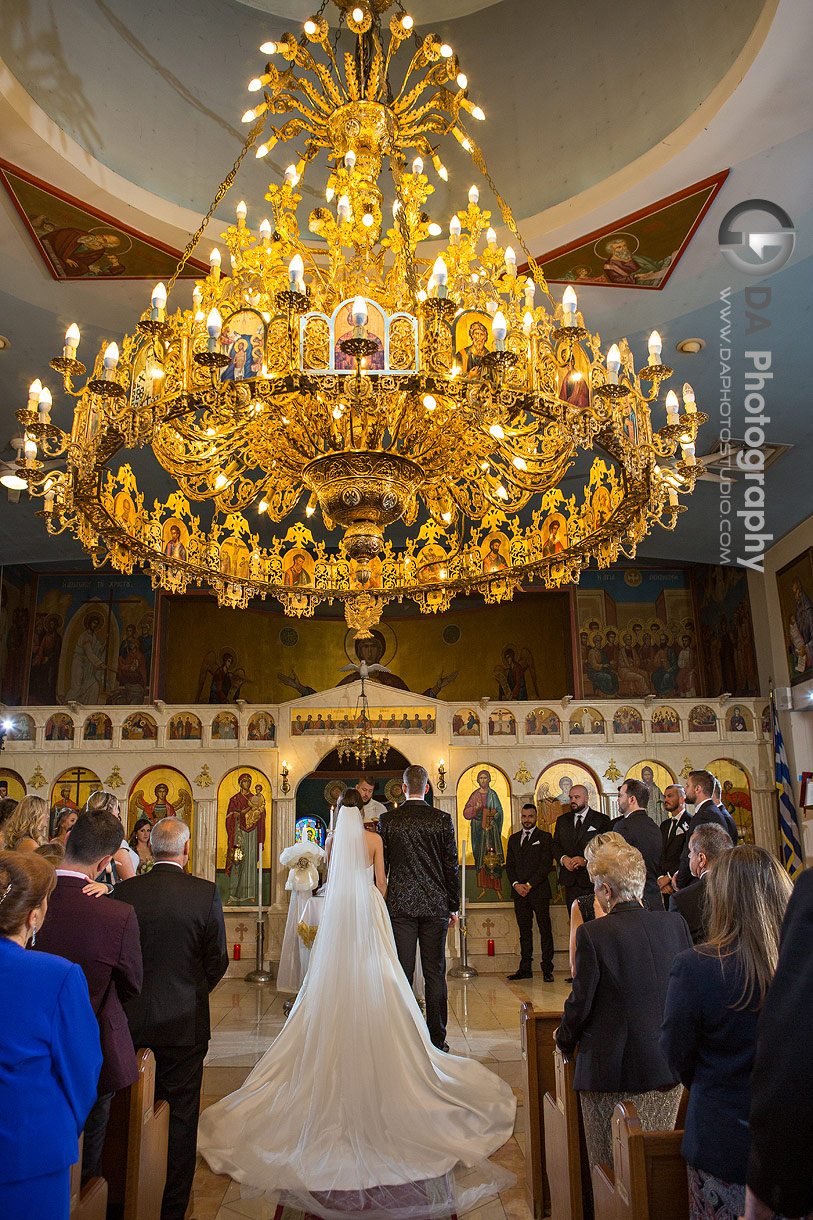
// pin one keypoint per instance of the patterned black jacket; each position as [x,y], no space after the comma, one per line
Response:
[420,858]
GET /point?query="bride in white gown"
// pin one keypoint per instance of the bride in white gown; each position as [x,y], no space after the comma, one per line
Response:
[352,1111]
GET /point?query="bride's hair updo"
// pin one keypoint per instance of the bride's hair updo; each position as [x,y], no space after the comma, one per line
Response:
[351,797]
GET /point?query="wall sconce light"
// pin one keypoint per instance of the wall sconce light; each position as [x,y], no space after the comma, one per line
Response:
[441,777]
[285,786]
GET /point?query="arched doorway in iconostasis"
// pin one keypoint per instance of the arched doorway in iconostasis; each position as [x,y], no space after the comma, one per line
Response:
[552,796]
[244,818]
[70,790]
[318,792]
[483,826]
[656,776]
[11,784]
[736,785]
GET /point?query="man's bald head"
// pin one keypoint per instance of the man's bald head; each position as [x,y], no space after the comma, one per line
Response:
[579,798]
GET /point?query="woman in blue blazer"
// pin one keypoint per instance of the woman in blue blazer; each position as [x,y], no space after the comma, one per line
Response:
[710,1022]
[49,1051]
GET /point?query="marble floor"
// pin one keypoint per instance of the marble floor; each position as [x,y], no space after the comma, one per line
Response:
[483,1023]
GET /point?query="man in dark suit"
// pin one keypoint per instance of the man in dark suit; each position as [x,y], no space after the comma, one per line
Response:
[101,937]
[699,789]
[707,843]
[528,862]
[637,827]
[423,891]
[574,829]
[183,943]
[673,833]
[779,1177]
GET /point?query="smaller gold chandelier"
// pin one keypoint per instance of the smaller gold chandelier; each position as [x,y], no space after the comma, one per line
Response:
[364,745]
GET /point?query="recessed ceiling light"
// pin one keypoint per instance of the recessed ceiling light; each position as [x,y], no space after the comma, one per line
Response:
[690,347]
[4,343]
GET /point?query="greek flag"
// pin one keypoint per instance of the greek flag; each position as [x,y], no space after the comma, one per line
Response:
[788,818]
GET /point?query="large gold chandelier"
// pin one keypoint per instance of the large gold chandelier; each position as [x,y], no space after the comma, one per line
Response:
[446,393]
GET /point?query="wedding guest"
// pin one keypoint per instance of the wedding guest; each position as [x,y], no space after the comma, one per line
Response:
[641,831]
[587,906]
[27,827]
[49,1051]
[575,826]
[52,851]
[615,1009]
[125,861]
[139,842]
[183,945]
[673,832]
[7,807]
[699,789]
[706,845]
[101,937]
[779,1175]
[709,1032]
[66,818]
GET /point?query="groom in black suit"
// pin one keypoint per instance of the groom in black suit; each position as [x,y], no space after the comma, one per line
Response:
[528,862]
[423,890]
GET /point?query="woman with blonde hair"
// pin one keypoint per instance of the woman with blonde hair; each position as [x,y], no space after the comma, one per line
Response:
[587,906]
[125,862]
[27,827]
[709,1036]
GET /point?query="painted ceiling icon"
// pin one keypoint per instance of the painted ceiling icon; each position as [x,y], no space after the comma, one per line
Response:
[78,242]
[640,250]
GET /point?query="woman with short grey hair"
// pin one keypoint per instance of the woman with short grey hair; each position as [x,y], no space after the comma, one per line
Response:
[615,1010]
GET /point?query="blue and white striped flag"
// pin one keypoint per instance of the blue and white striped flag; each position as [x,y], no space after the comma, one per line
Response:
[788,818]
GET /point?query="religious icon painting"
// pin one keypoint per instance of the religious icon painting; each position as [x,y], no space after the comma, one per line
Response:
[175,539]
[310,830]
[394,791]
[124,511]
[59,727]
[432,565]
[657,776]
[261,727]
[736,795]
[11,785]
[585,722]
[139,727]
[70,790]
[224,727]
[97,727]
[483,825]
[466,723]
[333,790]
[184,726]
[473,340]
[702,719]
[297,569]
[161,792]
[795,587]
[501,723]
[627,720]
[343,329]
[629,420]
[553,537]
[739,720]
[496,553]
[573,376]
[665,720]
[244,809]
[235,559]
[21,728]
[148,374]
[542,722]
[243,341]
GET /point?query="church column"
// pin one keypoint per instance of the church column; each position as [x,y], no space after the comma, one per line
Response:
[205,846]
[765,815]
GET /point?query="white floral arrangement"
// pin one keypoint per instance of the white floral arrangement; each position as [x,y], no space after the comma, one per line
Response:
[302,860]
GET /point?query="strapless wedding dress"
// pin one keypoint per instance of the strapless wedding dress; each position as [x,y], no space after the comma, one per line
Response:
[352,1102]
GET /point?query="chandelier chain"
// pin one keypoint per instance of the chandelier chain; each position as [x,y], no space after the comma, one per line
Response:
[403,228]
[221,191]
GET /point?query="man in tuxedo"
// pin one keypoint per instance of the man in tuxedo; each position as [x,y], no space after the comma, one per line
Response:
[699,789]
[574,829]
[183,944]
[423,891]
[528,862]
[637,827]
[102,937]
[673,833]
[706,844]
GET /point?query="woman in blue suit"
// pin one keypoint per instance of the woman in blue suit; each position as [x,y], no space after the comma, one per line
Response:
[709,1031]
[49,1051]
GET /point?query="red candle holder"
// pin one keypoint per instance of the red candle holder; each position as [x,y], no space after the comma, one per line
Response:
[491,948]
[238,949]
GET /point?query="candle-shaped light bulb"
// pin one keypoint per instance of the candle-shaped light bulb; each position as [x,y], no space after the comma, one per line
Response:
[158,301]
[613,364]
[197,298]
[688,453]
[655,348]
[454,230]
[214,325]
[49,498]
[350,159]
[343,208]
[569,303]
[296,270]
[499,329]
[44,404]
[330,191]
[30,449]
[688,399]
[527,323]
[491,239]
[510,262]
[474,195]
[111,359]
[530,293]
[34,391]
[71,341]
[200,318]
[671,407]
[291,176]
[242,211]
[417,166]
[673,497]
[214,263]
[265,232]
[440,277]
[462,80]
[358,312]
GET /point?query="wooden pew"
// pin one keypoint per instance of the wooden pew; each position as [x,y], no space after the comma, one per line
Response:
[88,1202]
[565,1151]
[135,1150]
[648,1180]
[536,1031]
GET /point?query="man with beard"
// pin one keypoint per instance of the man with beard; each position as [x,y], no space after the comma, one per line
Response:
[574,829]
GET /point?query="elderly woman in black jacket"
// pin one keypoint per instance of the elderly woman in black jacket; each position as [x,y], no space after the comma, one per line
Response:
[615,1009]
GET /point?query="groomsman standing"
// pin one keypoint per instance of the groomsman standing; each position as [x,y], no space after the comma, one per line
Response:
[574,829]
[673,836]
[528,863]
